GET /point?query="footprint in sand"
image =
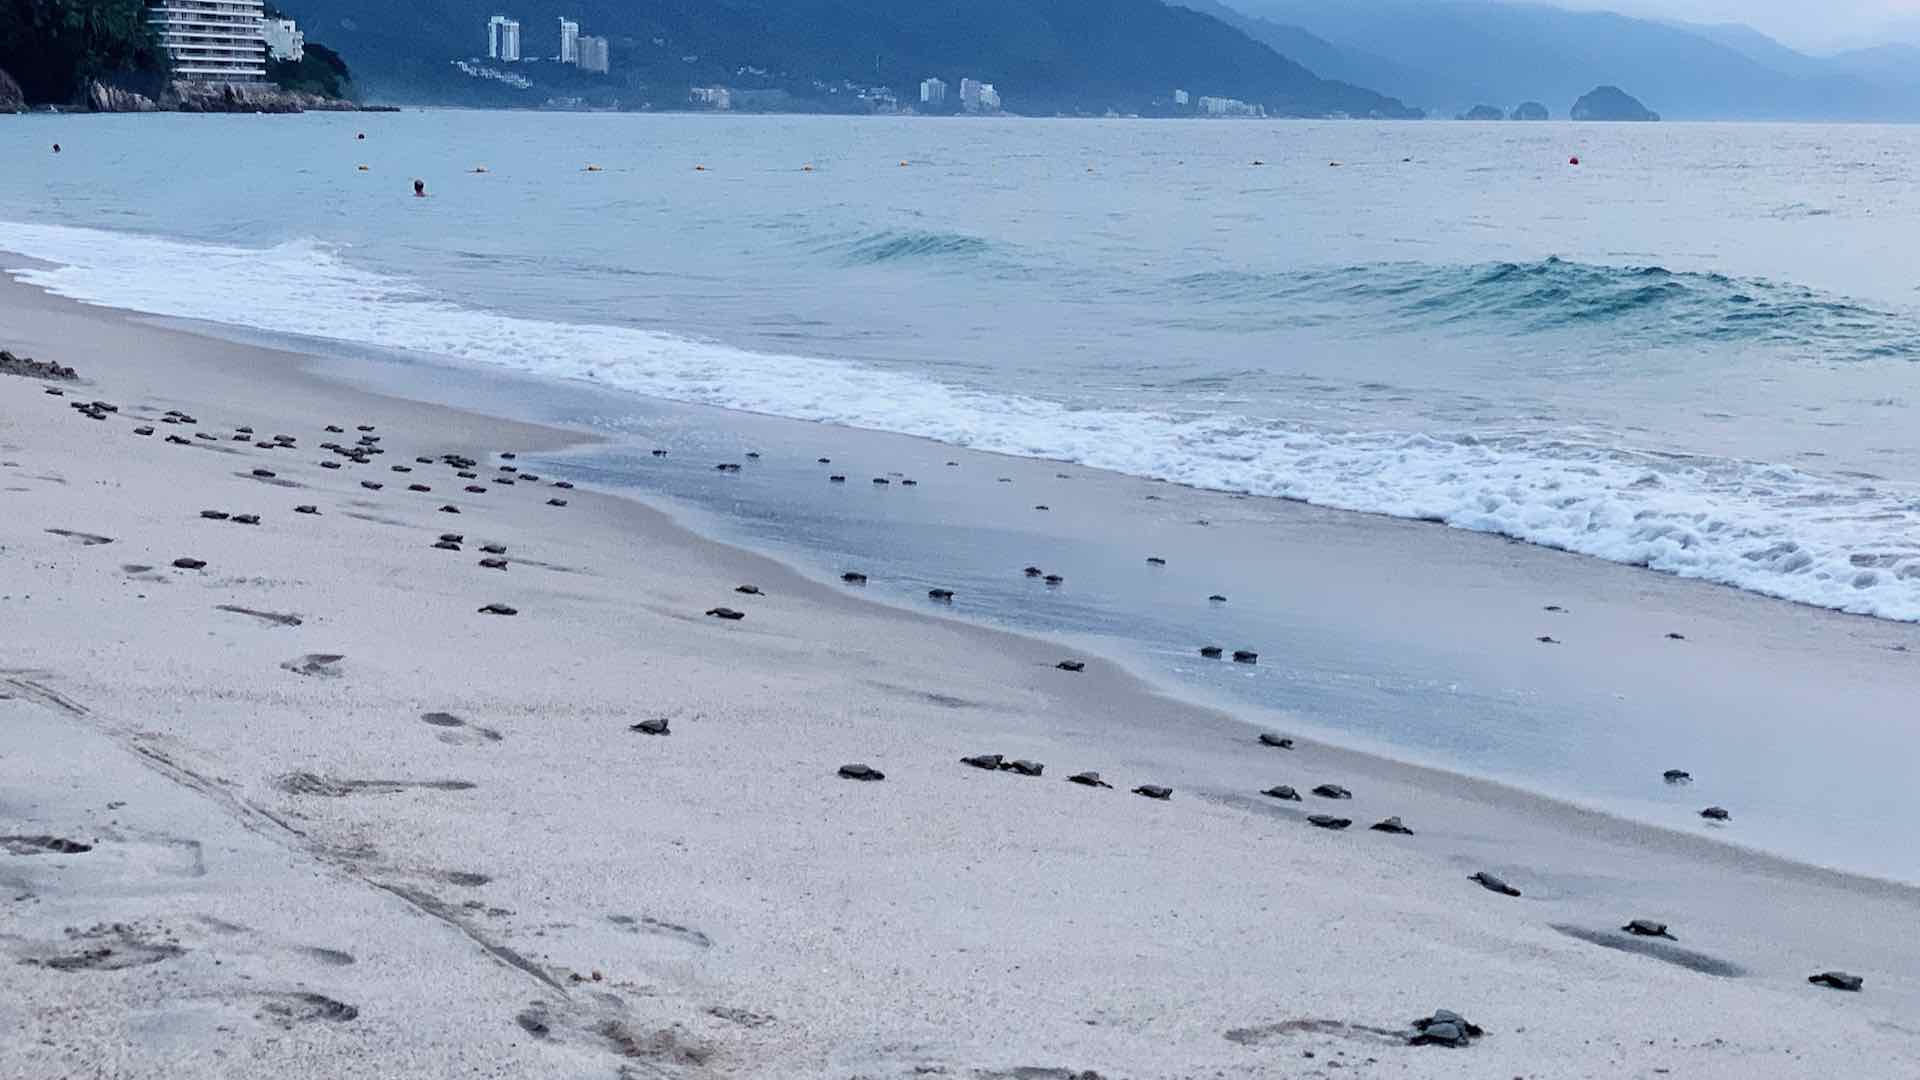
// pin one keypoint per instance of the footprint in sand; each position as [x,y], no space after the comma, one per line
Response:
[306,783]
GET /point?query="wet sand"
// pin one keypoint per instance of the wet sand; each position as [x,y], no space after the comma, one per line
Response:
[446,851]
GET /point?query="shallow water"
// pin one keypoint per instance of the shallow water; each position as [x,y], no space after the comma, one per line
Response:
[1693,352]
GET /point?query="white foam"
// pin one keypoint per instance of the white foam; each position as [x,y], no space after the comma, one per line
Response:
[1771,529]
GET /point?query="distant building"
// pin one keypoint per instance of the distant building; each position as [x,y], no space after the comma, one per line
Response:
[1181,97]
[569,41]
[933,92]
[976,96]
[713,97]
[503,38]
[593,55]
[1224,106]
[212,40]
[285,40]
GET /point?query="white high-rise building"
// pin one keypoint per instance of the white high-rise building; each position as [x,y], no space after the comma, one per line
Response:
[933,92]
[285,41]
[593,54]
[976,96]
[212,40]
[1181,97]
[503,38]
[569,41]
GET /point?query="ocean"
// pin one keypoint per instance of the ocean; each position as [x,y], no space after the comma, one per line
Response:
[1693,352]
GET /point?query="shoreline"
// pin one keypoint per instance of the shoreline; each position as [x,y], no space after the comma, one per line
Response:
[746,912]
[1373,759]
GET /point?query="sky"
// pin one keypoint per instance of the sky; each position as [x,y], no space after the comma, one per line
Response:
[1807,24]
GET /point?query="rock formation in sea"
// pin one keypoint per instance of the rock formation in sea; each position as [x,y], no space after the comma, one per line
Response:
[11,99]
[1611,103]
[1530,110]
[198,97]
[1484,112]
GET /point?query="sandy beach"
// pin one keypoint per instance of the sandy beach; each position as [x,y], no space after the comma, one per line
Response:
[337,820]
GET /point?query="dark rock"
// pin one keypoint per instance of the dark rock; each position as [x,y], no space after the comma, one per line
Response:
[1392,825]
[861,772]
[1088,779]
[656,726]
[188,564]
[1327,821]
[1154,791]
[1278,742]
[1648,928]
[991,762]
[1282,791]
[1493,884]
[726,613]
[1484,112]
[1332,791]
[1071,665]
[498,609]
[1838,980]
[1611,103]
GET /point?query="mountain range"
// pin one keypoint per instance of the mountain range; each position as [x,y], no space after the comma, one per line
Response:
[1448,55]
[1045,56]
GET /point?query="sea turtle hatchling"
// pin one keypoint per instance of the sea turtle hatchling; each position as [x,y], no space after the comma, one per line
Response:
[990,762]
[1838,980]
[861,772]
[655,726]
[1332,791]
[1088,779]
[1328,821]
[1024,767]
[1278,742]
[1648,928]
[1493,884]
[1154,791]
[1444,1028]
[1392,825]
[1284,792]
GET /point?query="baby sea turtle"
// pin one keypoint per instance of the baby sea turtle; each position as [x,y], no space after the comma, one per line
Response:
[1212,652]
[1838,980]
[447,545]
[1154,791]
[178,441]
[556,502]
[1024,767]
[423,460]
[264,474]
[726,613]
[498,609]
[1676,637]
[1716,813]
[453,538]
[747,590]
[1444,1028]
[1088,779]
[449,509]
[564,485]
[329,464]
[1546,639]
[306,508]
[1676,776]
[1245,656]
[214,515]
[1283,792]
[419,487]
[1043,506]
[1392,825]
[1216,598]
[468,475]
[1033,571]
[659,453]
[1327,821]
[188,564]
[1053,579]
[854,577]
[824,461]
[656,726]
[836,478]
[944,596]
[728,467]
[909,483]
[1648,928]
[335,429]
[1493,884]
[245,519]
[990,762]
[372,485]
[1155,560]
[861,772]
[1556,608]
[401,468]
[1332,791]
[493,564]
[881,480]
[1278,742]
[143,431]
[474,489]
[509,455]
[1071,665]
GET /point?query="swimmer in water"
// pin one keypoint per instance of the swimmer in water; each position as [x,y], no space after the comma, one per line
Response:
[419,189]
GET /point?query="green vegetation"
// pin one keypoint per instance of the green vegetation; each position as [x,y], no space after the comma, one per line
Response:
[52,47]
[319,71]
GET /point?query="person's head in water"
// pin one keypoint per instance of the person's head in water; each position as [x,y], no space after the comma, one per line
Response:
[56,148]
[420,189]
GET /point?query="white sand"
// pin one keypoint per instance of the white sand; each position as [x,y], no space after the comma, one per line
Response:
[748,913]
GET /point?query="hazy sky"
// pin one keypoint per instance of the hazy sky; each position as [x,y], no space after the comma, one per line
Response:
[1802,23]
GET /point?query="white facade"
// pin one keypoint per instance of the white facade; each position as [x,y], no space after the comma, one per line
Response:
[285,40]
[594,55]
[933,92]
[976,96]
[212,40]
[1181,97]
[569,41]
[503,38]
[715,97]
[1224,106]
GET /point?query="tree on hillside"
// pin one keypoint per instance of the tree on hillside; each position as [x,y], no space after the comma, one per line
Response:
[52,47]
[320,71]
